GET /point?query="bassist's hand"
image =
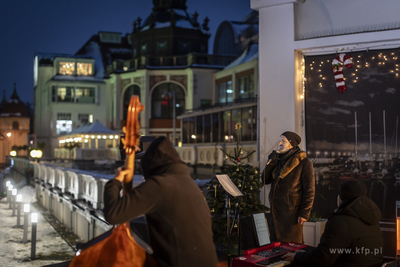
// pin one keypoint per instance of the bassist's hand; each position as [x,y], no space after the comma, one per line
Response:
[121,173]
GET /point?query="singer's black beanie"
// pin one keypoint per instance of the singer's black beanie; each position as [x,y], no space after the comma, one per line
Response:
[352,189]
[293,138]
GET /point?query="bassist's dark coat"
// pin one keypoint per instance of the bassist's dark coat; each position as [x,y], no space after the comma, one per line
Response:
[177,213]
[291,196]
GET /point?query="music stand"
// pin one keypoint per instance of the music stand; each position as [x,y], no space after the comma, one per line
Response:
[231,192]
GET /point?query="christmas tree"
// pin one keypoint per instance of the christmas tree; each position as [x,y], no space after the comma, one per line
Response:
[247,180]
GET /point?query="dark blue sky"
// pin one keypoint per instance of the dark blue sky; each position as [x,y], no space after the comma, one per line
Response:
[27,27]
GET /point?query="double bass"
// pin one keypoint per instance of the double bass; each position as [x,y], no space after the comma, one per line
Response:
[120,246]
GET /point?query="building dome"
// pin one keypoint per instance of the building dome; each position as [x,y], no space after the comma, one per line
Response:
[14,107]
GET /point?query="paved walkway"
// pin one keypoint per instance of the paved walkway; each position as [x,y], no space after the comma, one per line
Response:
[50,247]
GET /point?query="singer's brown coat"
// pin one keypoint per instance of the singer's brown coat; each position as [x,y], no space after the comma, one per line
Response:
[291,195]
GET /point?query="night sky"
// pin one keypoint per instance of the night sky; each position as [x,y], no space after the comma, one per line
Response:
[28,27]
[373,86]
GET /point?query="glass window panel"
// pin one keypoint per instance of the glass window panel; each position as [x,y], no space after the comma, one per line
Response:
[199,129]
[67,68]
[63,126]
[84,69]
[185,130]
[236,118]
[246,124]
[84,95]
[65,94]
[254,120]
[226,125]
[215,128]
[192,127]
[207,128]
[54,93]
[162,102]
[229,92]
[222,92]
[246,87]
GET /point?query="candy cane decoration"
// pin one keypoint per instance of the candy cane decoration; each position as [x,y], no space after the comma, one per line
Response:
[337,66]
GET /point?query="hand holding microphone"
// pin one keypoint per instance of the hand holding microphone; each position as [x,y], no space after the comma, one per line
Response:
[273,156]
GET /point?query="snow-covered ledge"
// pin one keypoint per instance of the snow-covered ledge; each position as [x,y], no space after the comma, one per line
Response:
[257,4]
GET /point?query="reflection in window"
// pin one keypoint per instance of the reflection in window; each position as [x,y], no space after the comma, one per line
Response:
[236,118]
[84,95]
[220,126]
[162,105]
[84,69]
[199,129]
[225,92]
[215,128]
[67,68]
[247,124]
[185,130]
[192,127]
[207,128]
[226,130]
[246,87]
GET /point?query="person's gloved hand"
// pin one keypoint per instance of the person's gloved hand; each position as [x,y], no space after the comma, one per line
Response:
[273,156]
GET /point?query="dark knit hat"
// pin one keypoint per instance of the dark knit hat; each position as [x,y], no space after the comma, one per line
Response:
[293,138]
[352,189]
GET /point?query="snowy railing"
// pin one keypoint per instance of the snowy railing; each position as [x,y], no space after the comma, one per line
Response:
[212,154]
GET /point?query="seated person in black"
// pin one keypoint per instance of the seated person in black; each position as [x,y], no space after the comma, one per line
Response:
[352,235]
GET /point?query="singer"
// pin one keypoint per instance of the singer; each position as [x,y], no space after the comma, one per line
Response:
[291,175]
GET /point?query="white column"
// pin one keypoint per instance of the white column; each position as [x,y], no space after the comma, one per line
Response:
[279,101]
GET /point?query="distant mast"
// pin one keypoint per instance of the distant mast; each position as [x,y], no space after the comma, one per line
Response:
[384,138]
[355,127]
[370,139]
[397,128]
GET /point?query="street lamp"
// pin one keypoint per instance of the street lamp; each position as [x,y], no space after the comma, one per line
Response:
[27,208]
[19,200]
[14,193]
[168,96]
[34,220]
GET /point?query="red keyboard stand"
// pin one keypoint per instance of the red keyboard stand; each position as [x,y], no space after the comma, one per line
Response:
[250,259]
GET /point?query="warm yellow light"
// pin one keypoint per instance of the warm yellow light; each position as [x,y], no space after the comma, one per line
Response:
[92,137]
[104,137]
[33,153]
[301,96]
[111,137]
[86,136]
[13,153]
[8,134]
[193,136]
[86,141]
[116,137]
[98,137]
[39,154]
[179,144]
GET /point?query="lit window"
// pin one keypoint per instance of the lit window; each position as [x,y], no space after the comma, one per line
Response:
[67,68]
[63,126]
[65,94]
[84,69]
[225,92]
[84,95]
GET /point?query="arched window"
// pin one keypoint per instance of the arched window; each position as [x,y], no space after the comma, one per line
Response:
[15,125]
[162,106]
[130,91]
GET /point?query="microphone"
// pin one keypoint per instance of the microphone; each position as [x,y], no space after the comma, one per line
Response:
[269,161]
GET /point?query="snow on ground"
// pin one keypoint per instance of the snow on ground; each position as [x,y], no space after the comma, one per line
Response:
[50,247]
